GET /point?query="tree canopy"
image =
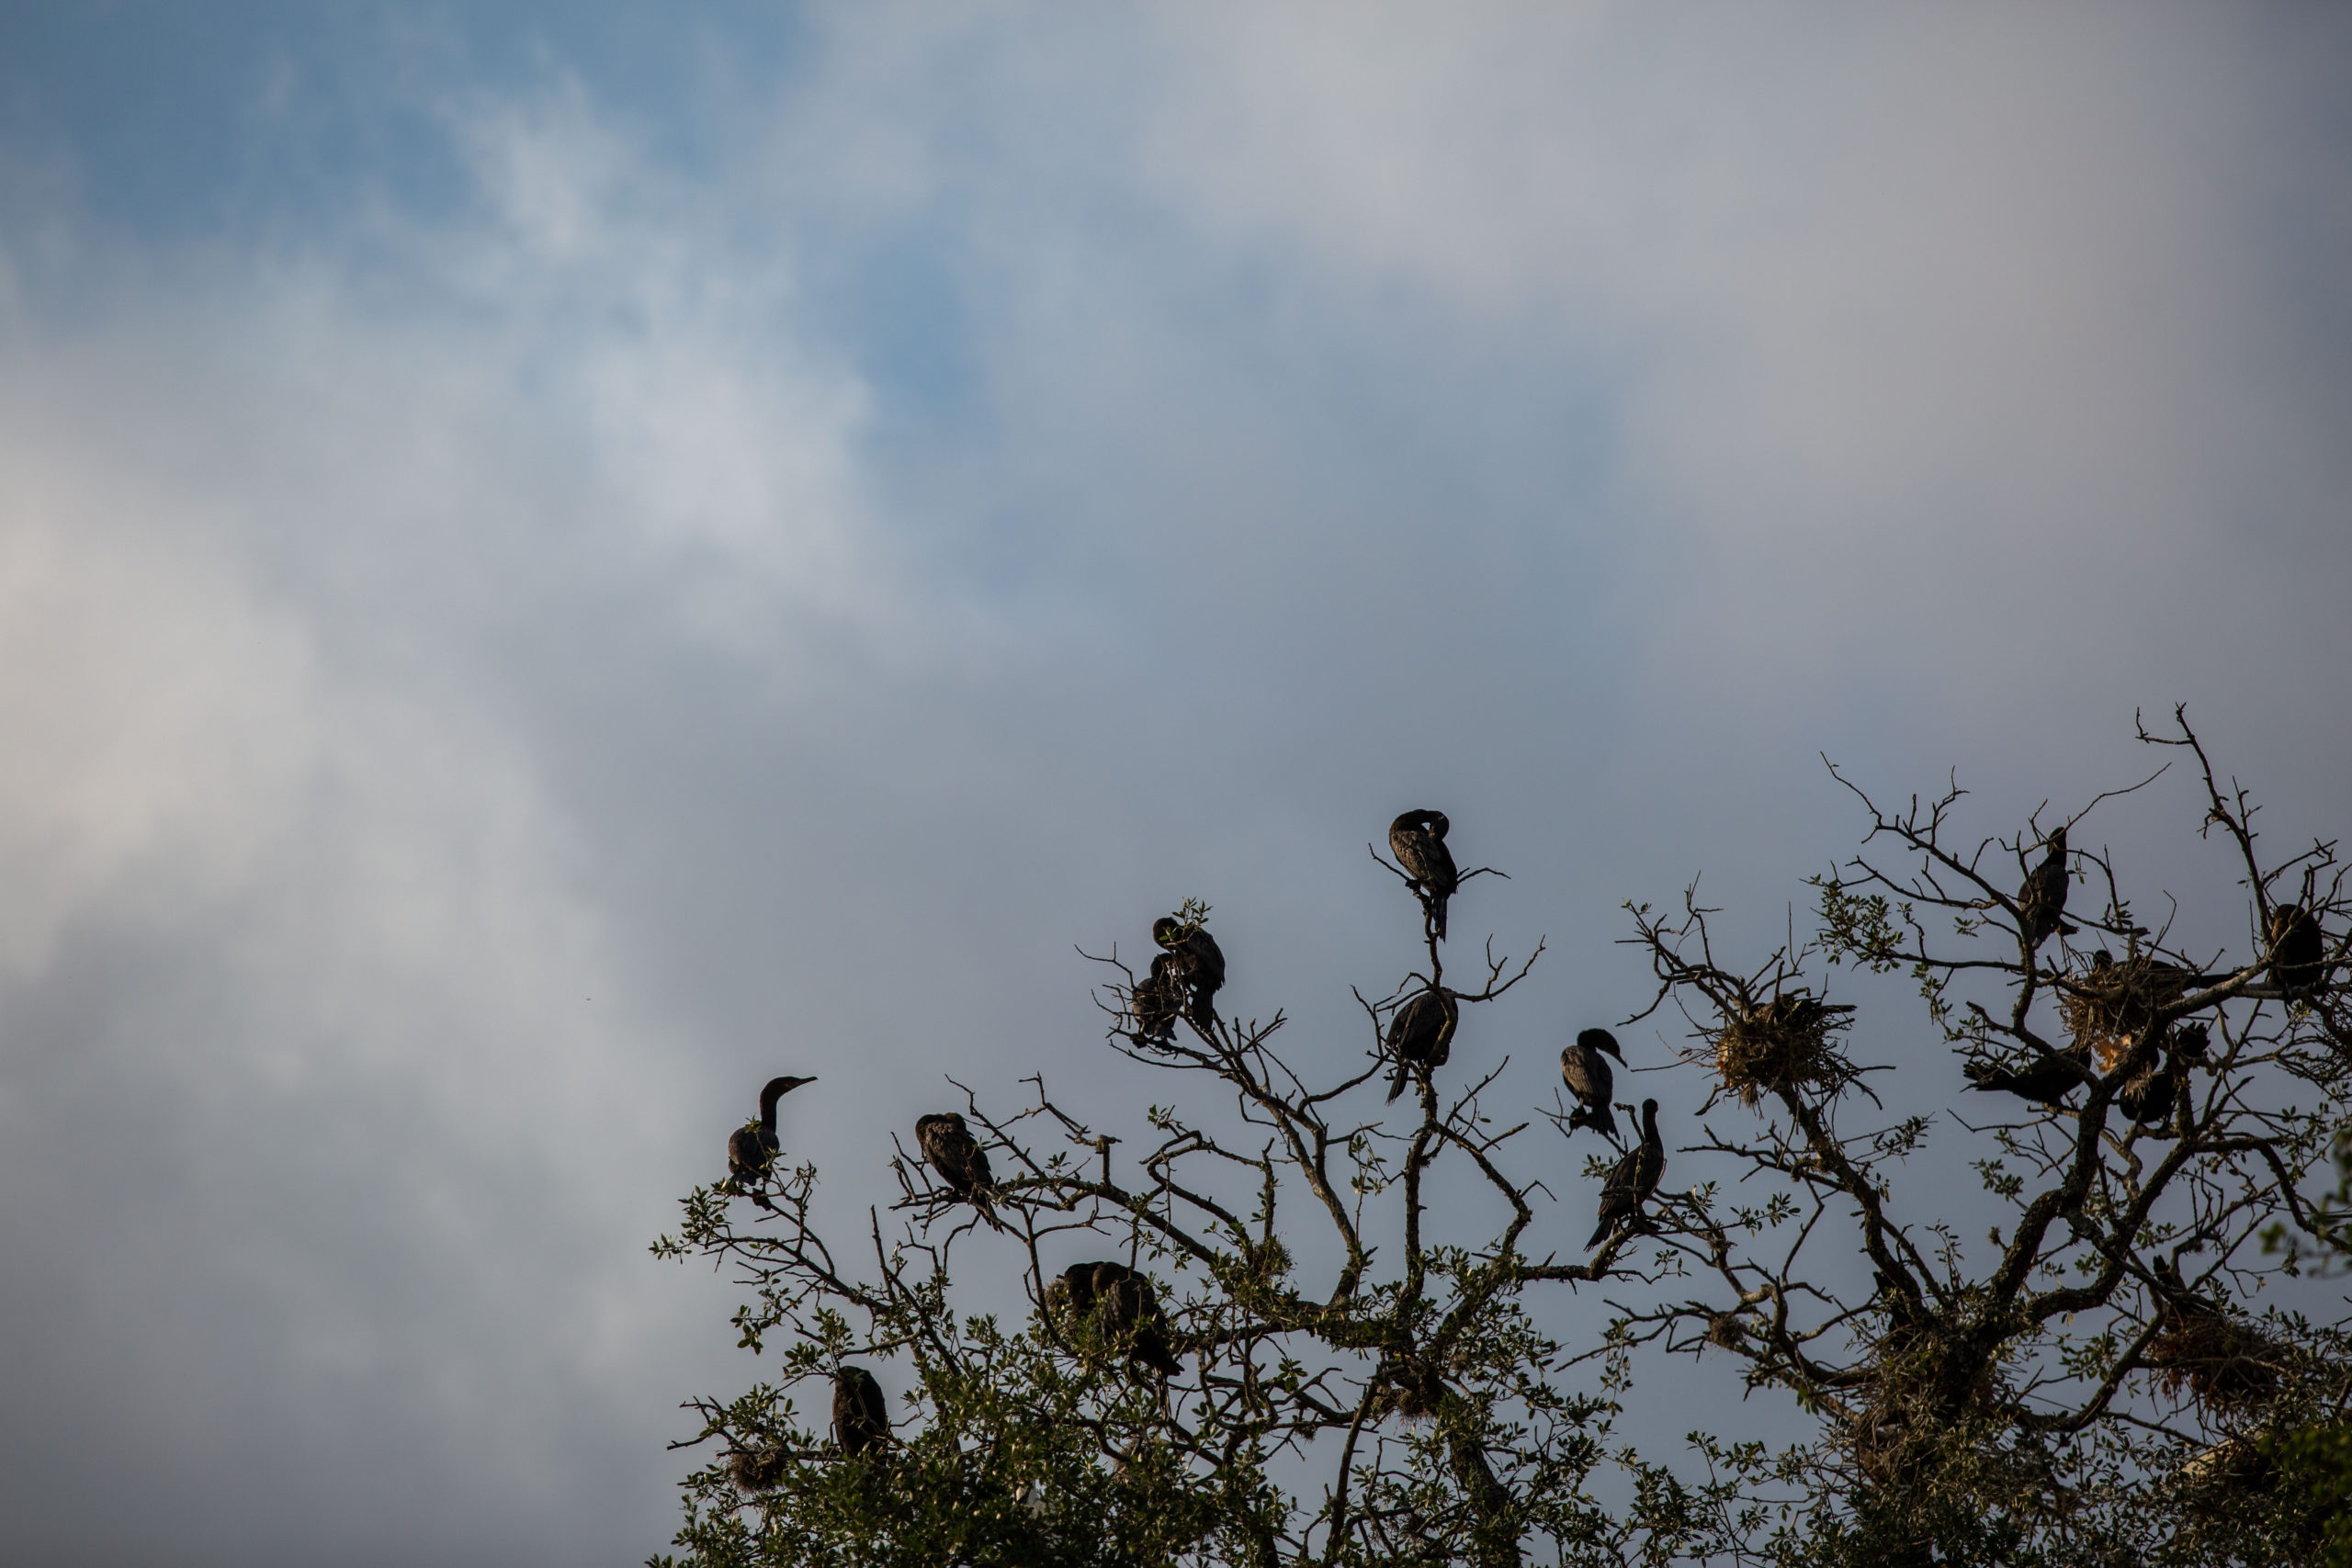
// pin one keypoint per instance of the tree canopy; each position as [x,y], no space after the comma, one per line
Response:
[1279,1319]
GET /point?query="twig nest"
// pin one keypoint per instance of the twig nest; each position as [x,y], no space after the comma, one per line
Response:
[2109,1007]
[756,1469]
[2225,1363]
[1776,1044]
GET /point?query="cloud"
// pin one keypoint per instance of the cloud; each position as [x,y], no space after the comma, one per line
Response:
[491,679]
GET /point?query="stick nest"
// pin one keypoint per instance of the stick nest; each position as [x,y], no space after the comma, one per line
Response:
[2222,1362]
[2110,1008]
[1777,1044]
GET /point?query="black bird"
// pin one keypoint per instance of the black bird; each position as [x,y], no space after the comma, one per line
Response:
[2042,901]
[2297,952]
[1420,1037]
[2190,1042]
[1634,1179]
[861,1418]
[2043,1081]
[1130,1309]
[1584,1066]
[2148,1097]
[1417,840]
[2179,1302]
[1158,999]
[1199,960]
[753,1147]
[958,1158]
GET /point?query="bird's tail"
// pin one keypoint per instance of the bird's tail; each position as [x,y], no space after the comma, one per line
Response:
[762,1200]
[1397,1083]
[1202,1013]
[981,1200]
[1437,916]
[1602,1233]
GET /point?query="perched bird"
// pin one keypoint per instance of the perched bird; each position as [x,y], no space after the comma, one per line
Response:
[960,1161]
[861,1418]
[2042,901]
[2297,952]
[2192,1042]
[1417,840]
[1129,1308]
[1636,1178]
[1584,1066]
[753,1147]
[1157,1001]
[2044,1080]
[2179,1303]
[2148,1097]
[1199,960]
[1420,1037]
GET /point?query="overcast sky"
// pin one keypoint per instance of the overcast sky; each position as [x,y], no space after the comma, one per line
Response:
[554,564]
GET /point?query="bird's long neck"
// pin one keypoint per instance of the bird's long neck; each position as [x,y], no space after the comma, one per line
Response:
[768,1097]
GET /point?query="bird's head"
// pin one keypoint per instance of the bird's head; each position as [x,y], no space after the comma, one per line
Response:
[1600,1040]
[1168,931]
[783,1086]
[1438,826]
[2058,840]
[1649,1110]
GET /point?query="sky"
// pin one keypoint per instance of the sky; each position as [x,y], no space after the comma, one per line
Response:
[558,560]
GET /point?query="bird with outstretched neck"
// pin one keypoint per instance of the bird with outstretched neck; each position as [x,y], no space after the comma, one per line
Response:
[952,1151]
[1417,840]
[1633,1179]
[2042,901]
[1584,1068]
[1420,1037]
[753,1147]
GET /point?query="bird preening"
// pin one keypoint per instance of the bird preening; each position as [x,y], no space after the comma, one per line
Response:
[1123,1304]
[1633,1179]
[753,1147]
[1420,1037]
[1196,963]
[1417,840]
[1584,1068]
[1157,1001]
[962,1165]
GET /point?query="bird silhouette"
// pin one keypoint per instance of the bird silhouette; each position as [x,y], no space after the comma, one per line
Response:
[1420,1037]
[1129,1308]
[2044,1080]
[2042,901]
[861,1418]
[1417,840]
[753,1147]
[1199,960]
[1633,1179]
[1584,1066]
[960,1161]
[2147,1096]
[2298,951]
[1157,1001]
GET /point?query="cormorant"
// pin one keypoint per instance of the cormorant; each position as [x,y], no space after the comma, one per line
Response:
[1417,840]
[2297,952]
[1158,999]
[861,1418]
[1584,1066]
[1634,1179]
[753,1147]
[1130,1309]
[1200,962]
[2042,901]
[958,1158]
[1420,1037]
[2148,1099]
[2043,1080]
